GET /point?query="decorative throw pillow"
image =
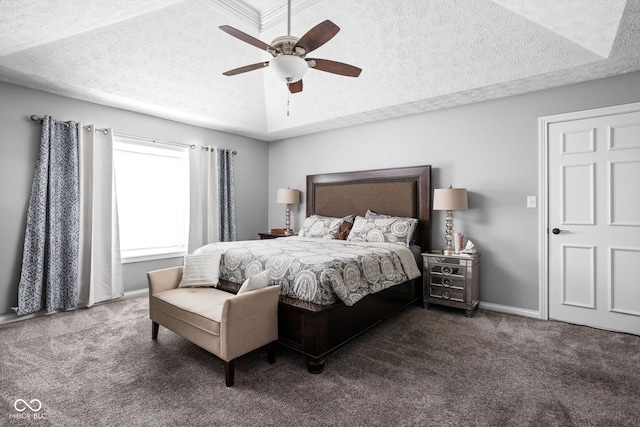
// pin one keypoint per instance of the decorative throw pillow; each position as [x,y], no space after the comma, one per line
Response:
[322,227]
[257,281]
[308,222]
[201,270]
[343,230]
[375,215]
[372,215]
[397,230]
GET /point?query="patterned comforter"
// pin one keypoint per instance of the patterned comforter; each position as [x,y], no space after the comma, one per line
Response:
[318,270]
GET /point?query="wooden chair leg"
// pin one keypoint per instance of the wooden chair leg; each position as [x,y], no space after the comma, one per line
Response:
[229,368]
[271,352]
[154,330]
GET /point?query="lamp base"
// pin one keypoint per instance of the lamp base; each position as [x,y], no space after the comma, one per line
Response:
[287,221]
[448,251]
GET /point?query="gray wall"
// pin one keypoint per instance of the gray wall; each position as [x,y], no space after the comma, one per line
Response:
[491,148]
[19,142]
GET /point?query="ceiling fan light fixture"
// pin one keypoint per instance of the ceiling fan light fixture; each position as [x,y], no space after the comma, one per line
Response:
[288,68]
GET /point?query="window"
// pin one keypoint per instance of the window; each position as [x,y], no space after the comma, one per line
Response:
[152,187]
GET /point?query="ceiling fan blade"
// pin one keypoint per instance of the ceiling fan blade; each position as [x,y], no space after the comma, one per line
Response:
[318,35]
[334,67]
[295,87]
[246,68]
[245,37]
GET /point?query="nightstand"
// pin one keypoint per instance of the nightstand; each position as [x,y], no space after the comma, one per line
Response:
[452,280]
[271,235]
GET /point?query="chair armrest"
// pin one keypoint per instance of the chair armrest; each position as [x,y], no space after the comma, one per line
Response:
[249,321]
[163,280]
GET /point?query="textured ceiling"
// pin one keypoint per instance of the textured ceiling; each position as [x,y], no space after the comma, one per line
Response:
[166,57]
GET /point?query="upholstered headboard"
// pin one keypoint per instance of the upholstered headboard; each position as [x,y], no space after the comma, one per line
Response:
[399,192]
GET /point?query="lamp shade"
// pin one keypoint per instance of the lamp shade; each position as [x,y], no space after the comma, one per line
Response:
[450,199]
[289,68]
[288,195]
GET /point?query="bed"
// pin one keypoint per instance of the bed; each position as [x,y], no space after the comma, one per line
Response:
[315,330]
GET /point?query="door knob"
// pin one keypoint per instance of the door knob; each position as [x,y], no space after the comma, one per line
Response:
[556,231]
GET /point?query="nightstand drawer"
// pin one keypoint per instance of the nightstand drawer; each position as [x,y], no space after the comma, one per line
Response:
[448,270]
[447,282]
[449,294]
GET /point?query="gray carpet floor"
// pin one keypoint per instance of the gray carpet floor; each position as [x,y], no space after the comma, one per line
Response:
[99,367]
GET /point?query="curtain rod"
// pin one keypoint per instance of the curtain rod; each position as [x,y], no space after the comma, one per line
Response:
[36,118]
[155,141]
[39,119]
[159,141]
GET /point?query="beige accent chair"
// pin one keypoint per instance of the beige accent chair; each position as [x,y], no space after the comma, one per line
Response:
[220,322]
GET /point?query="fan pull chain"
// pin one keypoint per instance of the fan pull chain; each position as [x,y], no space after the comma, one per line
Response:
[288,94]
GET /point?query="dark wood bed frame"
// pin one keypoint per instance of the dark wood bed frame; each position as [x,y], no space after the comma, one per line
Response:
[316,330]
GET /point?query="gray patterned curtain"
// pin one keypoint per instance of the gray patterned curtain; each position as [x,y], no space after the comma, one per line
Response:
[49,278]
[226,196]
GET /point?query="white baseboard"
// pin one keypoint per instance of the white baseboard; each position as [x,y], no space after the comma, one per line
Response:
[509,310]
[9,318]
[137,293]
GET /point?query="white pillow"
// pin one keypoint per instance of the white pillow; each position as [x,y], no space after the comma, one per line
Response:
[201,270]
[257,281]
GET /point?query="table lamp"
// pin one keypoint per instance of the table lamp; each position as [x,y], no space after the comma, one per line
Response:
[449,199]
[289,197]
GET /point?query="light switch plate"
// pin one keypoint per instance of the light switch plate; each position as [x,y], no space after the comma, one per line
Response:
[531,202]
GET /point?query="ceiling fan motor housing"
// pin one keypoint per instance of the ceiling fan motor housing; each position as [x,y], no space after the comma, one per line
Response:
[285,45]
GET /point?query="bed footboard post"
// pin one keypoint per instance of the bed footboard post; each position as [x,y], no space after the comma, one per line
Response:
[315,366]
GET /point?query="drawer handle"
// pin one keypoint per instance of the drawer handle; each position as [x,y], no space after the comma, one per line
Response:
[446,282]
[447,270]
[446,294]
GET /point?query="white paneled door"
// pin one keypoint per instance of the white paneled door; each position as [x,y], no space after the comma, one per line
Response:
[594,219]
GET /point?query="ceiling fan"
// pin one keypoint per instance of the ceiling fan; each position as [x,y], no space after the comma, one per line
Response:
[289,61]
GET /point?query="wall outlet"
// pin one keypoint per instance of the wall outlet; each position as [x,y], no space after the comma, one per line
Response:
[531,202]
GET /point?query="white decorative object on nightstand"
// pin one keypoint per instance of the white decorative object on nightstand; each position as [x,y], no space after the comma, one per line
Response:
[452,280]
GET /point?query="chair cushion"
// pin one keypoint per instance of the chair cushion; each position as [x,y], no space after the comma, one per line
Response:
[201,307]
